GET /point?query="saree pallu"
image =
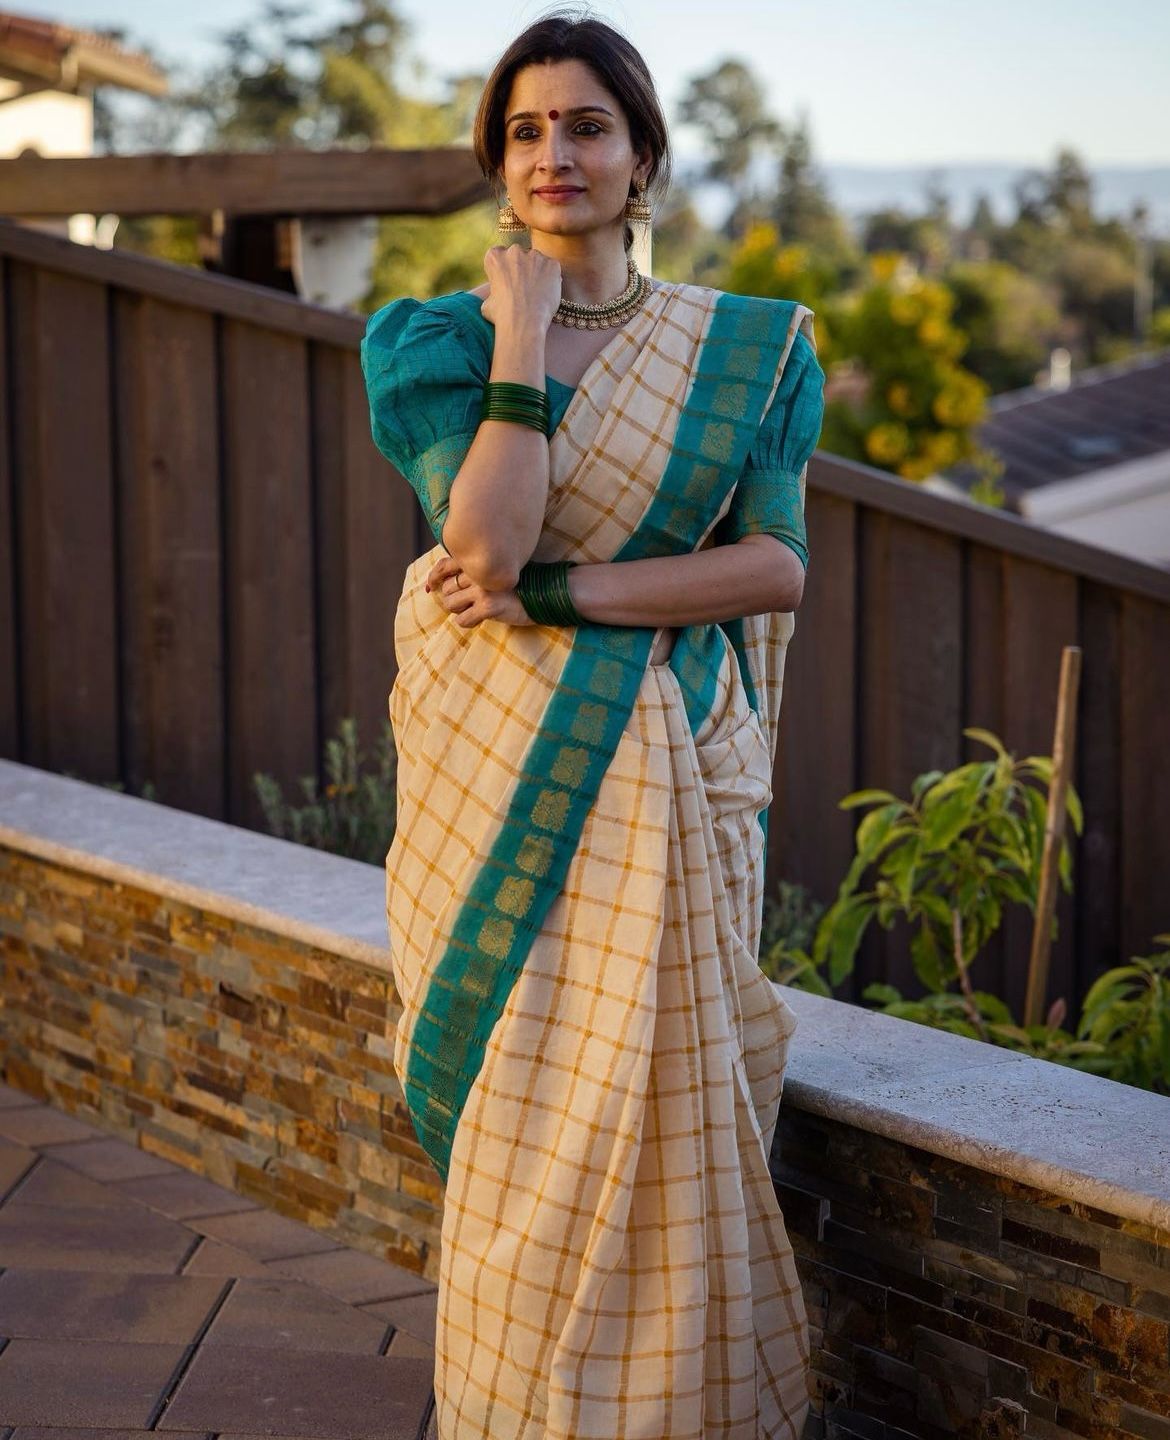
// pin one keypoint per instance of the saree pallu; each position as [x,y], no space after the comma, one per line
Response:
[591,1055]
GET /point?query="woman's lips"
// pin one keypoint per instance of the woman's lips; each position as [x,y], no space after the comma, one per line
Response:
[557,194]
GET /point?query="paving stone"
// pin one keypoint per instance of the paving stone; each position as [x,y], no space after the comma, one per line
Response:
[353,1275]
[10,1097]
[413,1313]
[15,1161]
[408,1347]
[91,1237]
[240,1390]
[55,1432]
[109,1158]
[183,1194]
[84,1382]
[214,1258]
[264,1234]
[52,1183]
[288,1315]
[35,1125]
[91,1305]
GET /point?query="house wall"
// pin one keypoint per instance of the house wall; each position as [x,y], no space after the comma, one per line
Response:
[47,121]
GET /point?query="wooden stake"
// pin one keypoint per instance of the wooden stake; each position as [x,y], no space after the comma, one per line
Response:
[1054,820]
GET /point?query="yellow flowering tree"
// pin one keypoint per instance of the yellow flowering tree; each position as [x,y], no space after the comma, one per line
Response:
[760,265]
[889,349]
[920,406]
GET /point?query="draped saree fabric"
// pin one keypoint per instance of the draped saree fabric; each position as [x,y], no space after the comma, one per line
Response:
[591,1056]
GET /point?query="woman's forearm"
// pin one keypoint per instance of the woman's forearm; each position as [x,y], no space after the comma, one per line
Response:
[756,575]
[499,497]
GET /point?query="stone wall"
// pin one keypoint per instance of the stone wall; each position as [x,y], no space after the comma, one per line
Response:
[261,1062]
[945,1300]
[983,1239]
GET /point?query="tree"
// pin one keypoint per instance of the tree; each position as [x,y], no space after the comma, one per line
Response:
[921,406]
[727,106]
[1011,320]
[803,213]
[1061,197]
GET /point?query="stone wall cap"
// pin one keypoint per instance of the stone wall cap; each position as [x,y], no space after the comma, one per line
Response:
[307,895]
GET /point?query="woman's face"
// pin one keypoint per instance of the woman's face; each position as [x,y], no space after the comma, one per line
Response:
[562,127]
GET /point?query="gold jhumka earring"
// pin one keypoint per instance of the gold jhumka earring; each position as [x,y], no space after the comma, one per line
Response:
[509,222]
[637,212]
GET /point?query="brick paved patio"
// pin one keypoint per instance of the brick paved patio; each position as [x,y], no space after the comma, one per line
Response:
[138,1298]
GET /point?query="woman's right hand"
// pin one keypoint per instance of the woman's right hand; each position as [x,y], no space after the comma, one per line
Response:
[525,288]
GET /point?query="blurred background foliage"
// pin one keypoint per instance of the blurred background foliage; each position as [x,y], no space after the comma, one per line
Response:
[920,317]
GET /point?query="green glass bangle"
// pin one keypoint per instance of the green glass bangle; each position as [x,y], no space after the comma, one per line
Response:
[509,393]
[513,387]
[543,589]
[510,400]
[535,422]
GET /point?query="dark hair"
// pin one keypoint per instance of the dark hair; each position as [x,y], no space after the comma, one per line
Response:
[567,34]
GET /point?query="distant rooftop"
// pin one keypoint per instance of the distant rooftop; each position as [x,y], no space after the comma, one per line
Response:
[1107,416]
[65,58]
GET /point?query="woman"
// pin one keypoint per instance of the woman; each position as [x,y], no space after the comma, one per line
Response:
[590,1053]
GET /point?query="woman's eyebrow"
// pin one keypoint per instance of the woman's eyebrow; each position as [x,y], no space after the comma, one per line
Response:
[576,110]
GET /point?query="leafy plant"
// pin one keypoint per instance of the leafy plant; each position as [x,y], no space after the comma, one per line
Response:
[1126,1019]
[355,814]
[967,844]
[790,921]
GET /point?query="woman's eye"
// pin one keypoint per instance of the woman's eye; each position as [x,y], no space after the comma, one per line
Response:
[523,132]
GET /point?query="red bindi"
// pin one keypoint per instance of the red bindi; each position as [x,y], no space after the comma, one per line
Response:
[552,114]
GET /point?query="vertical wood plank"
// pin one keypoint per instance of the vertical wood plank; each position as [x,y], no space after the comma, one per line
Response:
[70,698]
[1097,853]
[983,665]
[983,657]
[167,425]
[366,540]
[1145,774]
[910,685]
[10,683]
[810,840]
[1040,617]
[271,656]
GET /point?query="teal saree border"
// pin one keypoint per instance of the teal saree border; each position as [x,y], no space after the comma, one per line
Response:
[567,759]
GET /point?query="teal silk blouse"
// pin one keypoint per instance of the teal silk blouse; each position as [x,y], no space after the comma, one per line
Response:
[426,363]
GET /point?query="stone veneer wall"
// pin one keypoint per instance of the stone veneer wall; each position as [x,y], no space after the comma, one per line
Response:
[261,1062]
[945,1300]
[983,1239]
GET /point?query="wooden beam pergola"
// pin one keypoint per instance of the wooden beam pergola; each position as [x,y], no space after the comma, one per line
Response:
[301,183]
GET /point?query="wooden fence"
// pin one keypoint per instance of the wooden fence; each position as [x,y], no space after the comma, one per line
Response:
[200,553]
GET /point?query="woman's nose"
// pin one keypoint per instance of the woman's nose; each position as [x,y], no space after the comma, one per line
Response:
[553,149]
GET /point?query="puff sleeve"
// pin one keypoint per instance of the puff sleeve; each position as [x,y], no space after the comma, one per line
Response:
[424,372]
[769,498]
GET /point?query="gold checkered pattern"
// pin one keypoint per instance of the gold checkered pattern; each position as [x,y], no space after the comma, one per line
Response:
[614,1261]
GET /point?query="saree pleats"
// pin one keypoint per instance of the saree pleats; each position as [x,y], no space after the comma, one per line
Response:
[611,1238]
[591,1054]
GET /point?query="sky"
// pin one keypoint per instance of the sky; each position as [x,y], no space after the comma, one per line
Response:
[882,82]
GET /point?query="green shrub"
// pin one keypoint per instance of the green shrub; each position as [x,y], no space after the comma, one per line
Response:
[355,814]
[790,922]
[947,863]
[1126,1021]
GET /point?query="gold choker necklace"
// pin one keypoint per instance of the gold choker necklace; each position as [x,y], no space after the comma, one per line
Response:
[611,312]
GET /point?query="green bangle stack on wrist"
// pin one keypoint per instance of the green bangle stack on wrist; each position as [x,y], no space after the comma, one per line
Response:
[544,592]
[507,400]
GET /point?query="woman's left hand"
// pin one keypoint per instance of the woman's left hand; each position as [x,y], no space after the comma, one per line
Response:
[470,603]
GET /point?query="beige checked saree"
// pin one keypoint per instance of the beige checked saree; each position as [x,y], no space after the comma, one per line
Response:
[591,1056]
